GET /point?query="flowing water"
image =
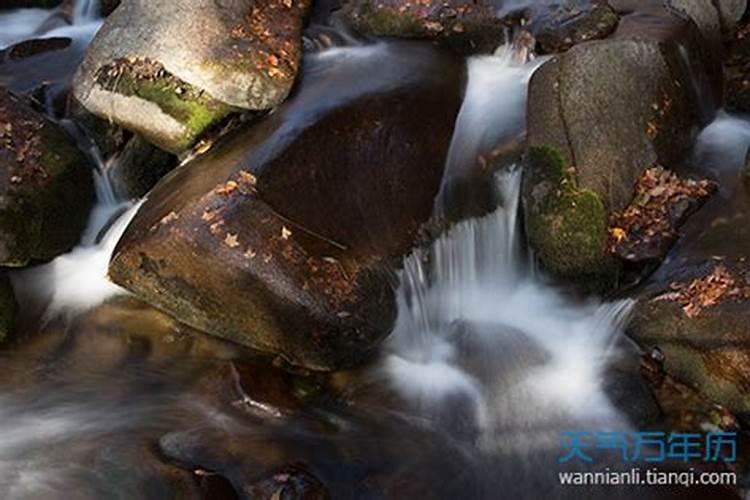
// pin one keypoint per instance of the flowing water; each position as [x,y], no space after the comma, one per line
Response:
[488,361]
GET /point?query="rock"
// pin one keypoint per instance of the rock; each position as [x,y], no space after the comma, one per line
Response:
[46,187]
[731,12]
[8,307]
[462,24]
[704,14]
[138,168]
[737,70]
[583,162]
[169,70]
[648,227]
[41,69]
[288,483]
[559,27]
[283,236]
[700,327]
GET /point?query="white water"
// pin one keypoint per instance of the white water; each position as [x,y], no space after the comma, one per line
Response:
[476,321]
[77,281]
[721,147]
[493,111]
[24,24]
[476,324]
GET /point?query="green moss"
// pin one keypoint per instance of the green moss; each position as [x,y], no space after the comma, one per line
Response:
[388,22]
[566,225]
[187,104]
[8,307]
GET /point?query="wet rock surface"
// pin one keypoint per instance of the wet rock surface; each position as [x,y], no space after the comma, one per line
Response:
[647,228]
[267,242]
[46,185]
[41,69]
[560,26]
[8,307]
[701,328]
[593,161]
[468,26]
[170,70]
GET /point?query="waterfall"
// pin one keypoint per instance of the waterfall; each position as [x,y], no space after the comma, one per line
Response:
[478,327]
[477,323]
[77,280]
[85,11]
[24,24]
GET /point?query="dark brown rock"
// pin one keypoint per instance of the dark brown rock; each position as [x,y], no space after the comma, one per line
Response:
[284,236]
[46,186]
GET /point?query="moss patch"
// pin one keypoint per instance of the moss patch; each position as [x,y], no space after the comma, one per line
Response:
[189,105]
[566,225]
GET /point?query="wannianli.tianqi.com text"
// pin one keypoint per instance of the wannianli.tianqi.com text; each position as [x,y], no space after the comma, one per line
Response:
[647,477]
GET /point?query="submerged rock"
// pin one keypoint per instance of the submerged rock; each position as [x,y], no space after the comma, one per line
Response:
[8,307]
[598,116]
[169,70]
[46,187]
[284,236]
[468,25]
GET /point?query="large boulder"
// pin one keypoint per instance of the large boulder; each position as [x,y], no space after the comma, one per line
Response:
[46,186]
[169,70]
[284,236]
[598,115]
[700,328]
[8,307]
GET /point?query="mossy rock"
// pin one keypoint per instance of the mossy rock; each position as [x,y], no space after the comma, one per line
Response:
[169,70]
[46,187]
[709,351]
[466,27]
[566,225]
[8,307]
[189,106]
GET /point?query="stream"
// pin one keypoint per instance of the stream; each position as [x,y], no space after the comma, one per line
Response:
[490,360]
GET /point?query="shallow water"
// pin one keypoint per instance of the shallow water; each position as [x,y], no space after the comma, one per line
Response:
[489,361]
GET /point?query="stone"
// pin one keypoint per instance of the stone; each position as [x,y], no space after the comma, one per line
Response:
[284,236]
[46,186]
[701,331]
[598,116]
[8,307]
[558,27]
[462,24]
[169,70]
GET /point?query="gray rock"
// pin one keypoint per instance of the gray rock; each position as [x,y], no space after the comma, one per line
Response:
[731,12]
[599,115]
[168,70]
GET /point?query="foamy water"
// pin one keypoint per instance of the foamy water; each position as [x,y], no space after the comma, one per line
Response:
[24,24]
[474,318]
